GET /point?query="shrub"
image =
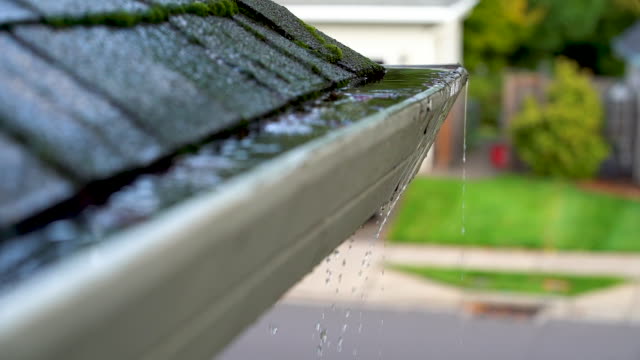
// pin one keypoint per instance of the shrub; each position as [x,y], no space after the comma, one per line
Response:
[562,137]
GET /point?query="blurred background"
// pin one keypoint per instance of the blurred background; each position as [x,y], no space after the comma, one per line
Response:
[523,244]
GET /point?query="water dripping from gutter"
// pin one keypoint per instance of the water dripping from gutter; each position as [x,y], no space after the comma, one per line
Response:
[463,228]
[411,169]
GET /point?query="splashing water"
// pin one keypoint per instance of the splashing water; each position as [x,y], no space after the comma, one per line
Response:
[412,166]
[409,169]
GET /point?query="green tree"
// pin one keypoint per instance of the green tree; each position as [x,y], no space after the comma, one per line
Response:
[562,137]
[566,20]
[495,29]
[629,5]
[492,32]
[578,29]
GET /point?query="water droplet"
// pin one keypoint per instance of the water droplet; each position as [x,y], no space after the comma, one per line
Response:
[318,327]
[319,350]
[339,346]
[344,262]
[273,330]
[347,313]
[344,328]
[323,336]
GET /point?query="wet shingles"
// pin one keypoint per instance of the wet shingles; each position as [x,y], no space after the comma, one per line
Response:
[54,8]
[228,40]
[27,186]
[52,133]
[217,79]
[118,62]
[285,21]
[174,2]
[11,11]
[289,24]
[133,144]
[329,70]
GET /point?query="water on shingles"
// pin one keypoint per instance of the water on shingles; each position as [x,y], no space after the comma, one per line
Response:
[83,7]
[210,166]
[10,11]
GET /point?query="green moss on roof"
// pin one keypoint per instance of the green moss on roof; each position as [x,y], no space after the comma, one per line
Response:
[335,53]
[308,37]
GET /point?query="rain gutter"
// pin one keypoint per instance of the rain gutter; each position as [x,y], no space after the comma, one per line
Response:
[183,284]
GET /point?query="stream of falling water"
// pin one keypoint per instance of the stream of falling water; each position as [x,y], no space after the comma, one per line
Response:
[410,171]
[463,226]
[411,167]
[365,266]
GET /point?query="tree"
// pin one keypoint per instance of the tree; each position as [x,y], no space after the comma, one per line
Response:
[562,137]
[579,29]
[629,5]
[495,29]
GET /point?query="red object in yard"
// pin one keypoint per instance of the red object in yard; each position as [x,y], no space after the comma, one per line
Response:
[499,156]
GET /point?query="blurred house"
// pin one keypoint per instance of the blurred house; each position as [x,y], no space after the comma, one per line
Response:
[623,105]
[398,32]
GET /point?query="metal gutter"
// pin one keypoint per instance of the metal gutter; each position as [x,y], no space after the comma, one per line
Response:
[185,283]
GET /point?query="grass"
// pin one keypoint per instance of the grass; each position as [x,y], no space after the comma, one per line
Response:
[516,212]
[513,282]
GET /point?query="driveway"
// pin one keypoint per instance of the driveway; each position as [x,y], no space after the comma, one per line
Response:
[426,336]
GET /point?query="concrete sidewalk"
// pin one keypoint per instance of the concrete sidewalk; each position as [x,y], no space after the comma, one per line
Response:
[355,275]
[622,265]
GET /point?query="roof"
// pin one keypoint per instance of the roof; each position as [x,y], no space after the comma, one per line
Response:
[627,45]
[380,11]
[100,90]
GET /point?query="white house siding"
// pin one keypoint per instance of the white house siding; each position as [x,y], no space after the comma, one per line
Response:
[391,44]
[402,44]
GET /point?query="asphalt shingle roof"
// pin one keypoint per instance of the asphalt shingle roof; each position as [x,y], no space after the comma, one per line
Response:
[83,102]
[10,11]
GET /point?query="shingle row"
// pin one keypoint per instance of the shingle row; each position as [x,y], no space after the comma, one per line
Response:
[86,103]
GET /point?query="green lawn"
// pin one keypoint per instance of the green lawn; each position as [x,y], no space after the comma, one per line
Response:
[529,283]
[516,212]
